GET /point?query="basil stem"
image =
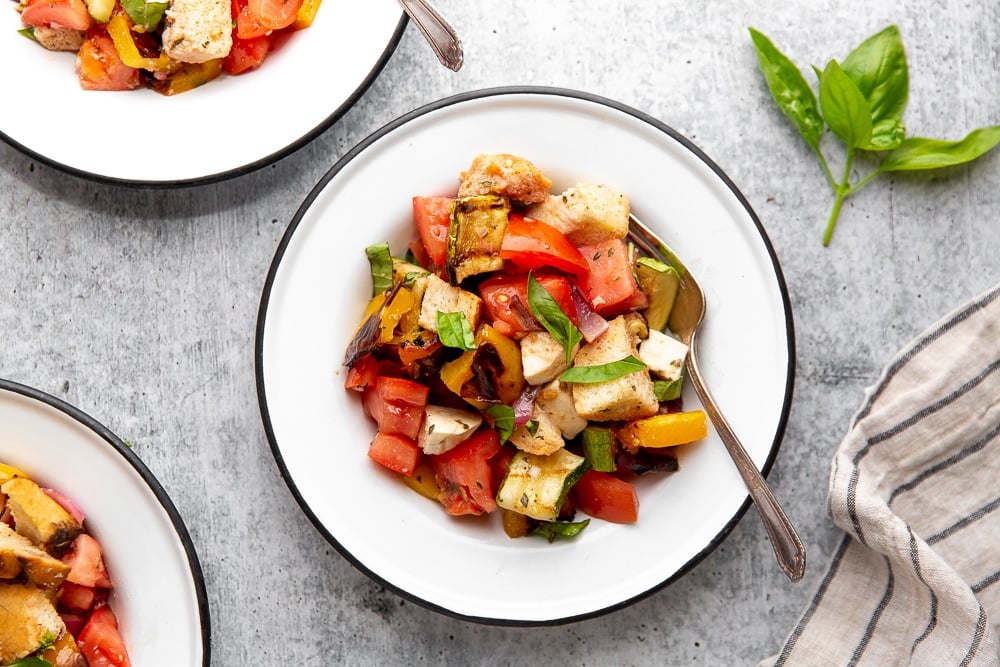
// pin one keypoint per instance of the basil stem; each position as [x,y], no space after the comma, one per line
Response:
[602,372]
[380,261]
[454,330]
[545,309]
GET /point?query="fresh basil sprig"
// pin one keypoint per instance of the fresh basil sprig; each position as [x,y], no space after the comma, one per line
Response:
[454,330]
[31,662]
[861,101]
[547,311]
[603,372]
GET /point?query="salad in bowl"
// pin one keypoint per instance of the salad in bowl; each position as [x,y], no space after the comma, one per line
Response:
[517,358]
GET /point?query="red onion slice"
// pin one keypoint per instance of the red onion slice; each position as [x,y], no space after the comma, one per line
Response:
[591,324]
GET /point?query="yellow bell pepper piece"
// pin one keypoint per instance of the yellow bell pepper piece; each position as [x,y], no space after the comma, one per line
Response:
[306,14]
[510,381]
[669,430]
[8,472]
[121,35]
[186,76]
[401,304]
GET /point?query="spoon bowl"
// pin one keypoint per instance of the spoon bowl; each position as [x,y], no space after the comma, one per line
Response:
[685,319]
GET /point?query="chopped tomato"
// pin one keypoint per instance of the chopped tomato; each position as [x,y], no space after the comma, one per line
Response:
[76,599]
[101,642]
[248,24]
[604,496]
[397,405]
[433,217]
[86,563]
[69,14]
[610,285]
[531,244]
[275,14]
[465,474]
[396,452]
[246,54]
[505,298]
[101,68]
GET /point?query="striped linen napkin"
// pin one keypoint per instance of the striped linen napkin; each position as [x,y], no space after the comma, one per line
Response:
[916,486]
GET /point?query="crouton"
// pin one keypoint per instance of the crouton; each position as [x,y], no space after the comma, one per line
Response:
[59,39]
[543,358]
[585,213]
[19,556]
[39,518]
[27,620]
[440,297]
[506,175]
[627,397]
[196,31]
[542,439]
[556,399]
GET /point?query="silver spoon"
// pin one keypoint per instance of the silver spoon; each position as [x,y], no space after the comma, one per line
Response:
[685,318]
[437,31]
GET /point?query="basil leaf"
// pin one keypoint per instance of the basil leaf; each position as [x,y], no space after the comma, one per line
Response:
[789,89]
[602,372]
[454,330]
[503,419]
[531,426]
[878,68]
[917,153]
[146,15]
[668,391]
[31,662]
[550,315]
[886,135]
[844,107]
[381,267]
[554,530]
[28,32]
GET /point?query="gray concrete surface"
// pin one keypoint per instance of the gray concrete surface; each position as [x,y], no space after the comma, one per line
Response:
[139,306]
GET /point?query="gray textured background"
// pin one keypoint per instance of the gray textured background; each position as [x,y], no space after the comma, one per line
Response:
[138,306]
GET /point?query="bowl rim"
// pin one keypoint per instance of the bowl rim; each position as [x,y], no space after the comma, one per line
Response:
[241,170]
[357,150]
[123,450]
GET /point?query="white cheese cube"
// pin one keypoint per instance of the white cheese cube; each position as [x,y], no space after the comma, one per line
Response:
[664,355]
[446,428]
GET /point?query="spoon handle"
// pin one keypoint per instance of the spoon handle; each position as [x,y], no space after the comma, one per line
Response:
[437,31]
[788,549]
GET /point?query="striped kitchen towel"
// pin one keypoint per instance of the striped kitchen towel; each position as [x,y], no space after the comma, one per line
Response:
[916,486]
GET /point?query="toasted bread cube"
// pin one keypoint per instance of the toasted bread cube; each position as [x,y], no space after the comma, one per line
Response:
[19,556]
[556,399]
[39,518]
[627,397]
[506,175]
[585,213]
[440,297]
[59,39]
[543,358]
[196,31]
[545,439]
[27,620]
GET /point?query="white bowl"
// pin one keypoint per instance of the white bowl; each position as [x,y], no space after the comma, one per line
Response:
[229,126]
[159,595]
[319,282]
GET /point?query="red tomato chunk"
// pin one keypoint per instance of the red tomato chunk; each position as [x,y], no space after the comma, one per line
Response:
[604,496]
[465,474]
[609,285]
[396,452]
[397,405]
[433,217]
[101,642]
[530,244]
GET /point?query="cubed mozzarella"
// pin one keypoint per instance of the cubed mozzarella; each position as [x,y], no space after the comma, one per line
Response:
[445,428]
[663,354]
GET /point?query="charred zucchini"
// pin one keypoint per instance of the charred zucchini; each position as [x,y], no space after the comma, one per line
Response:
[536,486]
[660,282]
[475,235]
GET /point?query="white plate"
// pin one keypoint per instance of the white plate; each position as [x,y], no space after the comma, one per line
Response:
[230,126]
[159,595]
[318,285]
